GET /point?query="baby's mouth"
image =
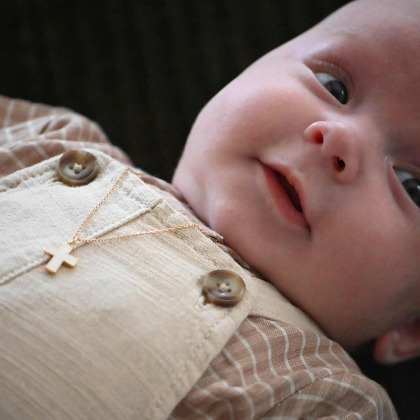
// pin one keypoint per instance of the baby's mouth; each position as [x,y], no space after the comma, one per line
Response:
[286,193]
[290,191]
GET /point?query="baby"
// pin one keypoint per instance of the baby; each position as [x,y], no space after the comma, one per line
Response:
[307,164]
[312,173]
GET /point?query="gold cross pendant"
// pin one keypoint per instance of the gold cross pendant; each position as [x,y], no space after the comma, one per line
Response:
[60,255]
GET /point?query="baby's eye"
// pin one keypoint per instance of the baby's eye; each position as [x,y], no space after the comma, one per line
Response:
[335,86]
[410,183]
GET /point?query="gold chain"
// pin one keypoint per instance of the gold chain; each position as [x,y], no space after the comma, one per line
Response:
[61,255]
[76,237]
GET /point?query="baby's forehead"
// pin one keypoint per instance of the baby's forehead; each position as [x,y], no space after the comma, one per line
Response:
[396,17]
[377,33]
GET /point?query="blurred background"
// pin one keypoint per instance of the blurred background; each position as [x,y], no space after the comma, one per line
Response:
[143,70]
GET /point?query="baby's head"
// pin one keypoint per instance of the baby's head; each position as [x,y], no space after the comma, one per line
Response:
[308,163]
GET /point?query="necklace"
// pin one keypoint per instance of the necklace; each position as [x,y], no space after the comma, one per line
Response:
[61,255]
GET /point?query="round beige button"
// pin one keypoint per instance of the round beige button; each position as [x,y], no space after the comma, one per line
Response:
[77,167]
[223,287]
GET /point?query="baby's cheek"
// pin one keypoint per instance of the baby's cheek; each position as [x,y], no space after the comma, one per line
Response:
[259,112]
[375,257]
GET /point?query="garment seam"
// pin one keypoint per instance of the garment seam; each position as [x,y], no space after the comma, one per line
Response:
[188,362]
[24,179]
[211,328]
[50,168]
[36,262]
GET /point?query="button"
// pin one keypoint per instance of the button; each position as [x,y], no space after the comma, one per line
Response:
[77,167]
[223,287]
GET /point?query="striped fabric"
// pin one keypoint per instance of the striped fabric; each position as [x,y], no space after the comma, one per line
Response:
[268,369]
[273,370]
[32,132]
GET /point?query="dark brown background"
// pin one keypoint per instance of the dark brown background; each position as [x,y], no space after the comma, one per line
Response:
[143,70]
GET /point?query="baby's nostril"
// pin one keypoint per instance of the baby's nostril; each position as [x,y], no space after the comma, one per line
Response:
[339,163]
[318,138]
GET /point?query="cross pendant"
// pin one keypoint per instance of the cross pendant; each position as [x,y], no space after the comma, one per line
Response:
[60,255]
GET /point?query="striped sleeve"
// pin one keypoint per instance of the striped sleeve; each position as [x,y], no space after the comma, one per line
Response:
[269,369]
[30,133]
[340,396]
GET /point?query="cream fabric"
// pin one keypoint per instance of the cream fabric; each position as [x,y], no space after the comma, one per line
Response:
[73,346]
[126,331]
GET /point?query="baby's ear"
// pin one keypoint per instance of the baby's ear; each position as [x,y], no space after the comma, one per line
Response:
[399,344]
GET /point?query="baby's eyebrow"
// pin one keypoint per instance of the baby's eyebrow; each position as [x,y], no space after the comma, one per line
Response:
[345,48]
[349,39]
[349,35]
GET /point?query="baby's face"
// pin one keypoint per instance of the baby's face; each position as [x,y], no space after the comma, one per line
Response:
[294,163]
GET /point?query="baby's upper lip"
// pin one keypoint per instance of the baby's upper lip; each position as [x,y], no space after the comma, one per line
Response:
[294,188]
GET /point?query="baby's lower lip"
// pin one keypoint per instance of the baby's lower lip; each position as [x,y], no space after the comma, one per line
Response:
[281,199]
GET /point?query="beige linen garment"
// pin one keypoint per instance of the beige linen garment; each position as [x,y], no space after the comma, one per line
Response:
[127,334]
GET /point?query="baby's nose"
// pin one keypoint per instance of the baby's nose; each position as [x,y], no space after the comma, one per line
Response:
[337,143]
